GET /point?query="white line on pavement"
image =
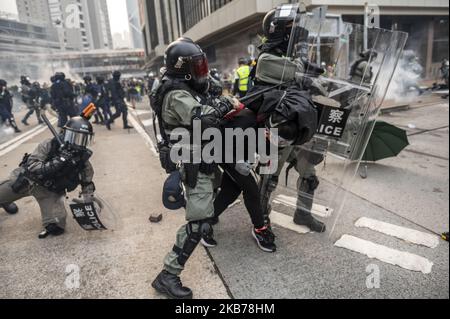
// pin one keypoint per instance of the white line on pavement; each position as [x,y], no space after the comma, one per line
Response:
[143,134]
[147,122]
[318,210]
[21,136]
[409,235]
[287,222]
[385,254]
[24,138]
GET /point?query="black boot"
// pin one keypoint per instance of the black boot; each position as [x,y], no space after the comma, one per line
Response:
[170,285]
[53,230]
[309,221]
[11,209]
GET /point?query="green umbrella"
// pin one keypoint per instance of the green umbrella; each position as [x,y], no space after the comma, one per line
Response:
[386,141]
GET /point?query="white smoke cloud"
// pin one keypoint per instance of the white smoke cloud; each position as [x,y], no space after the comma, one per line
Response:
[407,76]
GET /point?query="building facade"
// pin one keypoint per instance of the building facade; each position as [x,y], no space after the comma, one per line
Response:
[227,29]
[34,12]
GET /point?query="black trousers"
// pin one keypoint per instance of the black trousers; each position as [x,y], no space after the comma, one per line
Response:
[121,109]
[233,184]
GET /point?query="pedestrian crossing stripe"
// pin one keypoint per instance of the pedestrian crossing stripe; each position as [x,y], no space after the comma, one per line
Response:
[385,254]
[318,210]
[287,222]
[406,234]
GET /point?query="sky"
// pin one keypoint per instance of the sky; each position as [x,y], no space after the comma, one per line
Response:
[117,13]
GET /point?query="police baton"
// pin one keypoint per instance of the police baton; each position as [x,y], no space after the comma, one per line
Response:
[52,129]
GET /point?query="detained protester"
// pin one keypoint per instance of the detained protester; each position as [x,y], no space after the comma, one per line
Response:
[6,105]
[180,103]
[239,178]
[50,172]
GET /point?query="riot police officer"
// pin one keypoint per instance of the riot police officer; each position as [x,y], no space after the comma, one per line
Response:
[180,101]
[275,65]
[50,172]
[6,104]
[30,96]
[102,101]
[63,98]
[117,94]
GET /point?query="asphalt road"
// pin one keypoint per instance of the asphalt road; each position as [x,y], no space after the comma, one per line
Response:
[409,191]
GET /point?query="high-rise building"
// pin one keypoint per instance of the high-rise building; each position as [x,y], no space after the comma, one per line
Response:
[134,24]
[99,24]
[82,24]
[34,12]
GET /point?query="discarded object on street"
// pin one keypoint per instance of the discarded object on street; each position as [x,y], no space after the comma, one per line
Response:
[155,218]
[445,236]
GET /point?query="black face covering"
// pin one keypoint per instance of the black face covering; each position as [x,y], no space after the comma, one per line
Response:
[200,86]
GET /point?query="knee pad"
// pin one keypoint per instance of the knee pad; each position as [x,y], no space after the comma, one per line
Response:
[192,240]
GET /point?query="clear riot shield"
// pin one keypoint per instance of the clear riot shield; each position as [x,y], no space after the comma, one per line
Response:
[359,68]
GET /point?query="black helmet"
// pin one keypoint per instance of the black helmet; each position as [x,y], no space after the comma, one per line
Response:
[87,78]
[78,132]
[24,80]
[185,59]
[278,27]
[3,83]
[369,54]
[215,74]
[36,85]
[100,80]
[117,75]
[60,76]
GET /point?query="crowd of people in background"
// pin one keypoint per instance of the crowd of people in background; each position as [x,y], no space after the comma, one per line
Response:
[67,98]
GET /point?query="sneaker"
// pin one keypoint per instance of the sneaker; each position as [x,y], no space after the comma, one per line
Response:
[171,286]
[265,239]
[208,241]
[25,123]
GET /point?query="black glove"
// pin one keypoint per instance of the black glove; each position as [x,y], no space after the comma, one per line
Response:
[223,106]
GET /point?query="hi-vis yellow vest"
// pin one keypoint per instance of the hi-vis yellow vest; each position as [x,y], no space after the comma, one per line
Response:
[244,74]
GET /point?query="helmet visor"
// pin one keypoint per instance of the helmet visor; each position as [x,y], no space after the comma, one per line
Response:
[78,139]
[199,67]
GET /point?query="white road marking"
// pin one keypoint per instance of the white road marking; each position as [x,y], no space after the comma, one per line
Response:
[24,138]
[142,112]
[287,222]
[147,122]
[409,235]
[385,254]
[143,134]
[21,136]
[318,210]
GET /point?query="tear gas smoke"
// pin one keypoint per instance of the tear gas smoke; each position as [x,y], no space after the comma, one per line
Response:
[405,85]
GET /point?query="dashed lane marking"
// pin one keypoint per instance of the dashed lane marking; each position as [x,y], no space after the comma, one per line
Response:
[18,141]
[318,210]
[287,222]
[385,254]
[406,234]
